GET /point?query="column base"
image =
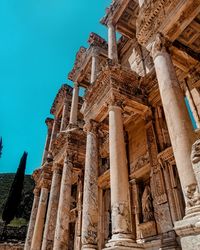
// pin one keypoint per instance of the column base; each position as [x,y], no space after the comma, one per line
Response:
[89,247]
[189,231]
[122,242]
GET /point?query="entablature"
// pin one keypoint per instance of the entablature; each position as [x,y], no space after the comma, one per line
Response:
[114,84]
[123,15]
[64,94]
[82,67]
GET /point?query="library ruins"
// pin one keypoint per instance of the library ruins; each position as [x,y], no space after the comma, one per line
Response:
[121,165]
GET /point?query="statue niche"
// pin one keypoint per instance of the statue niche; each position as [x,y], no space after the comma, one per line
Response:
[147,206]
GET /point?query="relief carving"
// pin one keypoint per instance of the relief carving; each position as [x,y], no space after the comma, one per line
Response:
[147,207]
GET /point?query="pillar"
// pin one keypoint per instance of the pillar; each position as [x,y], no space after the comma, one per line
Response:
[49,123]
[192,105]
[40,218]
[55,131]
[50,224]
[90,194]
[112,43]
[79,216]
[177,118]
[119,181]
[140,2]
[95,66]
[74,105]
[32,219]
[63,217]
[64,120]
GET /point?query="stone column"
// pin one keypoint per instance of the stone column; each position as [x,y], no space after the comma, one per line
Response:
[177,118]
[192,105]
[40,218]
[63,217]
[50,224]
[79,216]
[49,123]
[95,66]
[32,219]
[65,114]
[74,105]
[90,194]
[112,43]
[119,181]
[54,131]
[140,2]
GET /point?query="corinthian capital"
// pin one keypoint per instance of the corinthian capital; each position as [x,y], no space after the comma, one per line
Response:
[159,45]
[91,126]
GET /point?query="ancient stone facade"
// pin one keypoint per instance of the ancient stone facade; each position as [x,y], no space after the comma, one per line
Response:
[121,166]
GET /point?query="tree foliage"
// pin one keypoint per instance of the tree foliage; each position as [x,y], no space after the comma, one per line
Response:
[15,193]
[1,146]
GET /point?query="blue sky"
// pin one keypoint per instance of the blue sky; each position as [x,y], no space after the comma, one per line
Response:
[38,43]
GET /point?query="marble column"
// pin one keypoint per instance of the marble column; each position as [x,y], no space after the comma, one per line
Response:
[177,118]
[119,181]
[55,131]
[40,218]
[74,105]
[112,43]
[32,219]
[79,216]
[49,123]
[64,120]
[63,216]
[140,2]
[90,194]
[50,224]
[95,66]
[192,106]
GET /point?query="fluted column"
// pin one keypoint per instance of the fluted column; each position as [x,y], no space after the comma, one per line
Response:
[74,105]
[50,224]
[177,118]
[65,114]
[95,66]
[112,43]
[119,183]
[63,216]
[90,194]
[40,218]
[32,219]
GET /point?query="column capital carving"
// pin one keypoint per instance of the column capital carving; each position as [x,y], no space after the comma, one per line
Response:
[160,45]
[95,51]
[45,183]
[57,167]
[69,158]
[76,84]
[36,191]
[91,126]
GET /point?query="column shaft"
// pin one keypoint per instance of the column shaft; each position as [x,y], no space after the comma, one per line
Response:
[74,105]
[118,176]
[95,67]
[63,217]
[50,224]
[32,220]
[90,194]
[177,117]
[54,132]
[63,125]
[40,218]
[112,43]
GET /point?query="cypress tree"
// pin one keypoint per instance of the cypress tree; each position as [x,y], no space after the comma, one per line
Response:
[15,193]
[1,146]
